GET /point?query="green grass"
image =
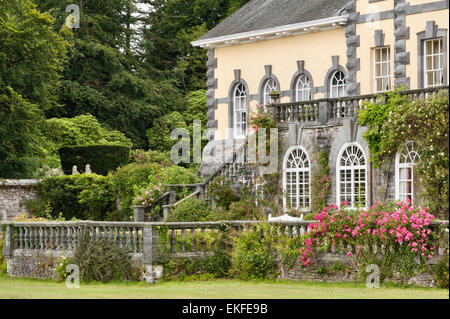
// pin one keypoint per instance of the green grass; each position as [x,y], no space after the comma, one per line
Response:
[213,289]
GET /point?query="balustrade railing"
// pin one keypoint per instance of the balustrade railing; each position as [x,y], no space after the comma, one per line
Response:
[321,111]
[192,240]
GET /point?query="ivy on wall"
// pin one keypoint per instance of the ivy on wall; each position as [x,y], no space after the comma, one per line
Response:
[393,120]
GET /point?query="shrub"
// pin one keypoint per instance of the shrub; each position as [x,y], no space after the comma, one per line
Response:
[151,156]
[441,271]
[100,260]
[131,181]
[222,193]
[403,230]
[216,266]
[398,120]
[81,196]
[191,210]
[321,183]
[2,259]
[126,179]
[244,209]
[101,158]
[254,255]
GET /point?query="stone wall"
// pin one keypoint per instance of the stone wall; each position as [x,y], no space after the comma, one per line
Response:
[323,271]
[12,194]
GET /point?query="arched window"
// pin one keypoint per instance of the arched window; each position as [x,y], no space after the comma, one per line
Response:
[337,84]
[269,86]
[303,88]
[296,179]
[351,176]
[240,110]
[404,172]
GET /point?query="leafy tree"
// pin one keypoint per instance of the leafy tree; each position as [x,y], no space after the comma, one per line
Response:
[104,76]
[32,56]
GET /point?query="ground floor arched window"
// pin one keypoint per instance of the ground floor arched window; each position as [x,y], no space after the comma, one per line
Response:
[297,179]
[351,176]
[405,160]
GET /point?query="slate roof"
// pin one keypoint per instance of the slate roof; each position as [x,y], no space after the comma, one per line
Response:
[262,14]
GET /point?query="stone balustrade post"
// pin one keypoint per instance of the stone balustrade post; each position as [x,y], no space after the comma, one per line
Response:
[150,253]
[172,196]
[139,214]
[8,247]
[324,109]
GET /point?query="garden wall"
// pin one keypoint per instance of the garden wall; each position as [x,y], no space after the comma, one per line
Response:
[12,193]
[335,267]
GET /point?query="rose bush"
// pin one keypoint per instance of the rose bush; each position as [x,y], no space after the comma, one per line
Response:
[402,231]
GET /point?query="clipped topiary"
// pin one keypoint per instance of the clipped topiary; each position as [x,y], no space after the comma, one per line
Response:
[101,158]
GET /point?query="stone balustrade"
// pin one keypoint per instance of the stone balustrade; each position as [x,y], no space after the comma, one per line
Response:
[24,241]
[323,111]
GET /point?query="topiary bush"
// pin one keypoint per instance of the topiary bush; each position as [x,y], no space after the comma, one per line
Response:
[191,210]
[102,261]
[101,158]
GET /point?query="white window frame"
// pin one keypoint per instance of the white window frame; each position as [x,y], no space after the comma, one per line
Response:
[239,110]
[340,86]
[305,170]
[434,69]
[269,86]
[303,88]
[408,152]
[383,64]
[352,181]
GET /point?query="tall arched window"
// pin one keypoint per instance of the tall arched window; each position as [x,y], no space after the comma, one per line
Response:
[404,172]
[296,179]
[303,88]
[351,176]
[269,86]
[240,110]
[337,84]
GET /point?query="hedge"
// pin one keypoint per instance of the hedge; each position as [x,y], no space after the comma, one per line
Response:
[101,158]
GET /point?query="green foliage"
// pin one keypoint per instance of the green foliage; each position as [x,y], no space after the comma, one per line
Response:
[309,216]
[126,180]
[132,180]
[32,56]
[216,266]
[441,270]
[244,209]
[321,182]
[2,259]
[102,261]
[80,196]
[191,210]
[61,267]
[222,193]
[140,156]
[425,121]
[159,135]
[101,158]
[254,255]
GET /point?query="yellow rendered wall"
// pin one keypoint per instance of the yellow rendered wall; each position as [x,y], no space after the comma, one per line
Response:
[316,49]
[417,23]
[364,7]
[365,53]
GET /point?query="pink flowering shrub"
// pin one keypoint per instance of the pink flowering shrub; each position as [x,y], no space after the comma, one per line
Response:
[402,229]
[148,195]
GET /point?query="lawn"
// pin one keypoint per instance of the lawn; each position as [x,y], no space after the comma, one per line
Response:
[214,289]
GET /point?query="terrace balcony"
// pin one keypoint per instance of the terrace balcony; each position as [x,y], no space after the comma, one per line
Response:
[333,110]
